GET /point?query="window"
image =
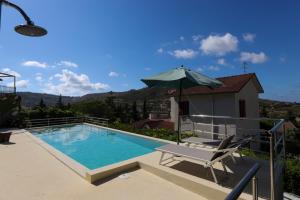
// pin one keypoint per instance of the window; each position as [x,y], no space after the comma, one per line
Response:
[184,108]
[242,107]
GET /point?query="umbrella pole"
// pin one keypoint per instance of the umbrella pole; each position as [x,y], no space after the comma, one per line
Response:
[178,120]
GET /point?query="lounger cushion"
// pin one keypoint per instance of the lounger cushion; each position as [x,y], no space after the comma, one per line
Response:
[204,141]
[188,152]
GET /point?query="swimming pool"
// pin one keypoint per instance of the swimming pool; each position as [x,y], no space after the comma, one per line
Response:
[95,147]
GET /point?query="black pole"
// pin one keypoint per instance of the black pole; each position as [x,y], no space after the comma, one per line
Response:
[178,120]
[25,16]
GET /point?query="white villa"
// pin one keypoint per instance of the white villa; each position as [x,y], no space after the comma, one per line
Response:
[237,98]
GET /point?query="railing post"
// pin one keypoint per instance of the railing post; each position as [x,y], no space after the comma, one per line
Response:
[255,188]
[272,166]
[194,133]
[212,128]
[226,133]
[283,140]
[48,121]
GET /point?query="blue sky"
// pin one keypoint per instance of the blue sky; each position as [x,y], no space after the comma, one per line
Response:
[99,46]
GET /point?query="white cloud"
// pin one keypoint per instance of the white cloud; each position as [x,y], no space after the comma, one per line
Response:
[213,68]
[253,57]
[147,68]
[197,37]
[38,77]
[200,69]
[160,50]
[221,61]
[113,74]
[181,38]
[11,72]
[184,53]
[19,84]
[33,63]
[71,83]
[219,45]
[208,68]
[282,59]
[249,37]
[67,63]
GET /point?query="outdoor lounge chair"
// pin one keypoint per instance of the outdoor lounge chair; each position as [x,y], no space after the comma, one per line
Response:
[207,158]
[215,143]
[4,137]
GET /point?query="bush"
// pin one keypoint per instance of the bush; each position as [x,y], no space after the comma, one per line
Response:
[292,176]
[157,133]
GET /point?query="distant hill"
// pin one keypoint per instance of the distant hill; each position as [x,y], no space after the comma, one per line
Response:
[156,96]
[279,109]
[30,99]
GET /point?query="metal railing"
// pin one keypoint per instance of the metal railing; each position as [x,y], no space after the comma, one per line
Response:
[268,142]
[32,123]
[6,89]
[277,156]
[239,188]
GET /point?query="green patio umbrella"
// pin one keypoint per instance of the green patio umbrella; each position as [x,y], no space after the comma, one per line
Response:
[180,78]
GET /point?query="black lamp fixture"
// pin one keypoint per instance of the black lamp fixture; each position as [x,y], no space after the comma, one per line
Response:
[28,29]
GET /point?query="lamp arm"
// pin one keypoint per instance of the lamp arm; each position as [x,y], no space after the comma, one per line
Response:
[25,16]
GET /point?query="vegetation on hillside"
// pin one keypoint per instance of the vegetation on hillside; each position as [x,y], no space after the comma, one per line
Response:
[284,110]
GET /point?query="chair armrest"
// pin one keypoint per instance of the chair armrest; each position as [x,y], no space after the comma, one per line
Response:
[225,150]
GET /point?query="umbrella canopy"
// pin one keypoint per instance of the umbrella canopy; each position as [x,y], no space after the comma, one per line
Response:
[180,78]
[187,77]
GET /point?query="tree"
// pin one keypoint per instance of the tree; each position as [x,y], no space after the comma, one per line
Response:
[126,116]
[42,104]
[119,111]
[264,112]
[290,116]
[59,103]
[134,112]
[145,111]
[110,108]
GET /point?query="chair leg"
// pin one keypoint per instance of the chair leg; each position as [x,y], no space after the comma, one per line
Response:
[161,157]
[241,156]
[233,159]
[214,175]
[224,167]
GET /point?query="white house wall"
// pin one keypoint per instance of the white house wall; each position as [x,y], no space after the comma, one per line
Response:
[226,104]
[249,94]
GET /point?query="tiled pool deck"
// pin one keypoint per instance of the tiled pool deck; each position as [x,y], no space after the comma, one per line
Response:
[29,171]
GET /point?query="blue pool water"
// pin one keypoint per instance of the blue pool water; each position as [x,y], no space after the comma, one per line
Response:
[95,147]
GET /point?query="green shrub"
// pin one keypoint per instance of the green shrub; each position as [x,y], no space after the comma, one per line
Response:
[292,176]
[157,133]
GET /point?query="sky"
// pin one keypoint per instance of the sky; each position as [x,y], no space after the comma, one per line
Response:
[109,45]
